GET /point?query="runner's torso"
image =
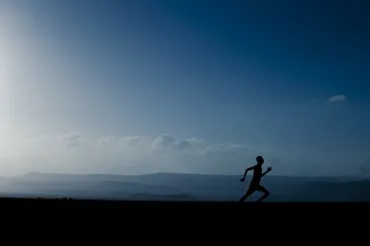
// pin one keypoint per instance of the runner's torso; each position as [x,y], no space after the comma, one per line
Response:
[257,175]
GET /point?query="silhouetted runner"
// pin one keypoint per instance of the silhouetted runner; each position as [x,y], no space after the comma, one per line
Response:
[255,183]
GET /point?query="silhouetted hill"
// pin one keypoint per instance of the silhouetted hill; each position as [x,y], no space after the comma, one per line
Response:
[151,197]
[187,186]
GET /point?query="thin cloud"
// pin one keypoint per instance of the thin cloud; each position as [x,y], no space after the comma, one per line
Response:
[337,99]
[72,139]
[127,155]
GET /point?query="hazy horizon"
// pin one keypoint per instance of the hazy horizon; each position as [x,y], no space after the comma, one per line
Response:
[249,176]
[200,86]
[172,187]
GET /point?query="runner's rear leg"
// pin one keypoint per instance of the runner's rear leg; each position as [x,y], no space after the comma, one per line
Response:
[265,191]
[247,194]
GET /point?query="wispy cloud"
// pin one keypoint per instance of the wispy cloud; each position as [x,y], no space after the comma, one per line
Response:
[72,139]
[77,153]
[337,99]
[80,153]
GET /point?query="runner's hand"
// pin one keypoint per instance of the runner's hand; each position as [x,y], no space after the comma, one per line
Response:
[242,180]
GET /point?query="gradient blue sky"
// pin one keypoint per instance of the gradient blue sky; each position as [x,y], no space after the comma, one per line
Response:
[258,74]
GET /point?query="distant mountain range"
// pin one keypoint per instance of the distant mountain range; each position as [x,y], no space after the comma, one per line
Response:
[183,187]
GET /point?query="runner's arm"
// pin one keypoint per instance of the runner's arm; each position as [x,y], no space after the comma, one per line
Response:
[268,170]
[246,171]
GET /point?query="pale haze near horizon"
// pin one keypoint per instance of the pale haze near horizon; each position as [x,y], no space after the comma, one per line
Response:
[143,87]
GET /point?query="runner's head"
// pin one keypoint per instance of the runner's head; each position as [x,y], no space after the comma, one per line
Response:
[260,160]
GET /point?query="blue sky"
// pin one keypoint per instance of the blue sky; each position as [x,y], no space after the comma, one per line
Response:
[258,74]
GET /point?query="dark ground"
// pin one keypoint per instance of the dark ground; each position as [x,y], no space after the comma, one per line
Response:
[159,221]
[200,208]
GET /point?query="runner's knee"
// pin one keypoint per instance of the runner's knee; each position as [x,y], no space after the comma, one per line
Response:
[267,192]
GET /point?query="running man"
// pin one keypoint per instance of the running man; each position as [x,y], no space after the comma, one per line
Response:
[255,183]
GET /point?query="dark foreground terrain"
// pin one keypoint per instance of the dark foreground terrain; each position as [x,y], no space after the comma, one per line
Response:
[160,221]
[144,213]
[183,187]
